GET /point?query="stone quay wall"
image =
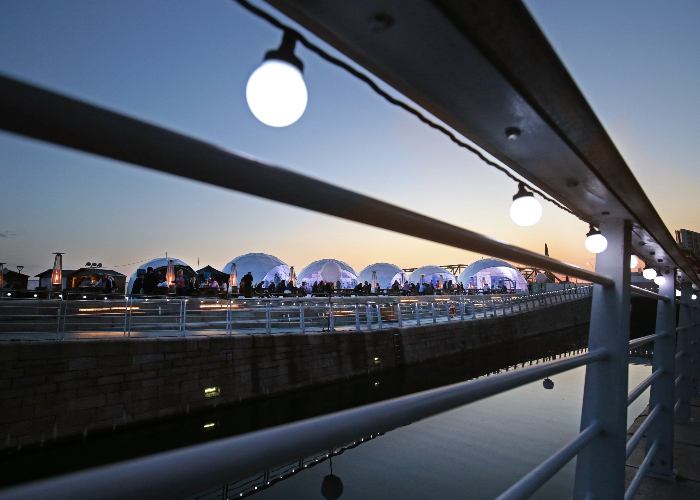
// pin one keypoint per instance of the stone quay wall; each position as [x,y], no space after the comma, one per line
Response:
[52,391]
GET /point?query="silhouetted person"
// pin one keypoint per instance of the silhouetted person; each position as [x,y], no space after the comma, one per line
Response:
[150,282]
[247,282]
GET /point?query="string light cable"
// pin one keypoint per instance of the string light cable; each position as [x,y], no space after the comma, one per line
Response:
[406,107]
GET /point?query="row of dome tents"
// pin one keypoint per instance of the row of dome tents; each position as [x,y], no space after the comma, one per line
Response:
[270,269]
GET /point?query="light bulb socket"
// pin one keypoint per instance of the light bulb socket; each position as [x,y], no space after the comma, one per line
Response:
[285,52]
[592,231]
[522,191]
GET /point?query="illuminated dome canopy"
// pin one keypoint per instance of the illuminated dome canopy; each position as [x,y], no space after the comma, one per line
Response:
[386,274]
[494,272]
[312,273]
[263,267]
[160,266]
[432,273]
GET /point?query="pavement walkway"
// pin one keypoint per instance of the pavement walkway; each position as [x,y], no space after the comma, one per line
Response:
[686,461]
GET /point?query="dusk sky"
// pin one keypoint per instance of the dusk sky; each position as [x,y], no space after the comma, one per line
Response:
[184,64]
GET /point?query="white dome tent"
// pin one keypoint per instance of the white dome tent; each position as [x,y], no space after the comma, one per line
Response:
[386,274]
[432,273]
[161,264]
[263,267]
[312,273]
[495,273]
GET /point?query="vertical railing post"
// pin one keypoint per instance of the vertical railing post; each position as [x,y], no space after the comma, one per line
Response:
[331,318]
[302,319]
[379,315]
[126,315]
[694,346]
[600,468]
[268,318]
[433,312]
[368,315]
[184,318]
[417,314]
[683,362]
[663,389]
[398,313]
[357,317]
[462,305]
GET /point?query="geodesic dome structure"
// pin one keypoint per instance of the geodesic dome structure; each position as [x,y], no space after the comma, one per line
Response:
[386,274]
[263,267]
[495,273]
[432,274]
[160,266]
[312,273]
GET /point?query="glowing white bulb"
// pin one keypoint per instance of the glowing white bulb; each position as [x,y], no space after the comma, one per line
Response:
[526,211]
[633,261]
[276,93]
[596,243]
[649,274]
[678,293]
[659,280]
[694,297]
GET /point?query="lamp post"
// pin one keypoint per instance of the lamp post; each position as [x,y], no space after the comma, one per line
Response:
[57,274]
[233,280]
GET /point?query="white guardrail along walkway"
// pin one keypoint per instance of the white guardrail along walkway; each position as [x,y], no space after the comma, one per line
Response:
[160,316]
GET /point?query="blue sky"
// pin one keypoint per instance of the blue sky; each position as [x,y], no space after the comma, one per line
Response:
[184,65]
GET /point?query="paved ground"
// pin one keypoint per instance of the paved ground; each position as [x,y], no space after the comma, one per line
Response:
[686,461]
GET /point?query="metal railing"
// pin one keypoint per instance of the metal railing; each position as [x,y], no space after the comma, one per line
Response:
[601,447]
[91,316]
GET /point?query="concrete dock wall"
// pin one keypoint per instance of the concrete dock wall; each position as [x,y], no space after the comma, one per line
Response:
[60,390]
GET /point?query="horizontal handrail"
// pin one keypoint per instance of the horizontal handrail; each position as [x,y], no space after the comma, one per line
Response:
[645,340]
[637,391]
[642,292]
[634,440]
[34,112]
[192,469]
[542,473]
[637,481]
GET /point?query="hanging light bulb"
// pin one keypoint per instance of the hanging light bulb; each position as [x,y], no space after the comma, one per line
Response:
[694,297]
[660,280]
[525,210]
[276,91]
[595,241]
[678,293]
[633,261]
[649,273]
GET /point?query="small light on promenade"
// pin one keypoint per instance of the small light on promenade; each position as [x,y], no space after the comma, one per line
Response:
[595,241]
[649,273]
[525,210]
[276,92]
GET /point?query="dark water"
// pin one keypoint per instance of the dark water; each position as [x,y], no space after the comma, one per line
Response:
[476,451]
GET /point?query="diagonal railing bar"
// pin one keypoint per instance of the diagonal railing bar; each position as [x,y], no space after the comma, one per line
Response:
[188,470]
[637,391]
[639,434]
[28,110]
[542,473]
[643,292]
[645,340]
